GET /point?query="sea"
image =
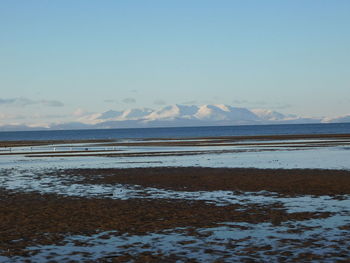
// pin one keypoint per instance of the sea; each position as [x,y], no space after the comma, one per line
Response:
[177,132]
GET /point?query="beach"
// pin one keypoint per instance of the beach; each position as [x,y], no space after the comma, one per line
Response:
[123,201]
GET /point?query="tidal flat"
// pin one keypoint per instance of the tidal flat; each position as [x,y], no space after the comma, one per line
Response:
[223,199]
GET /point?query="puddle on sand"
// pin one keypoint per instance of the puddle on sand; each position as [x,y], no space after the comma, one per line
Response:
[322,158]
[49,183]
[276,156]
[229,242]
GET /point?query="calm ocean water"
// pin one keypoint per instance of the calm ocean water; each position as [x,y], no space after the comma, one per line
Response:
[180,132]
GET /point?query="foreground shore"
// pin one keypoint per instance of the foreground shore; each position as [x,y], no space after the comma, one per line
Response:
[282,181]
[176,200]
[29,221]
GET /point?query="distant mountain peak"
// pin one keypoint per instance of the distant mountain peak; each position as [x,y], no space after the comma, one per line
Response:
[177,115]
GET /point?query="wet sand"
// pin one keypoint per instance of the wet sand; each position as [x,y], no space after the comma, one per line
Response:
[169,147]
[33,222]
[200,141]
[115,153]
[6,144]
[29,219]
[33,219]
[282,181]
[264,137]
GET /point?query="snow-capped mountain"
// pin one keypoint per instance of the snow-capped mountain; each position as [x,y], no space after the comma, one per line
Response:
[130,114]
[179,115]
[172,112]
[270,115]
[185,115]
[344,118]
[111,114]
[220,112]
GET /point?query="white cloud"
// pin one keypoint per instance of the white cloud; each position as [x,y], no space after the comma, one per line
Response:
[7,116]
[51,103]
[20,101]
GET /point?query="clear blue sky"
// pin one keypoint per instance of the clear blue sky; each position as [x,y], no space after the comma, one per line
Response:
[57,56]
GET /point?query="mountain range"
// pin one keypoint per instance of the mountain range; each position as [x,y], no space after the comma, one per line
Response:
[178,116]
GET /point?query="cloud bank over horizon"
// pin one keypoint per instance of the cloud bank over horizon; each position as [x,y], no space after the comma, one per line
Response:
[166,116]
[21,101]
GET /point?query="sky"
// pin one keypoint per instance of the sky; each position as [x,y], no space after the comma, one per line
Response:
[58,58]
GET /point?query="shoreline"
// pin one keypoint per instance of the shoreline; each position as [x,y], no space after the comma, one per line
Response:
[24,143]
[170,147]
[14,143]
